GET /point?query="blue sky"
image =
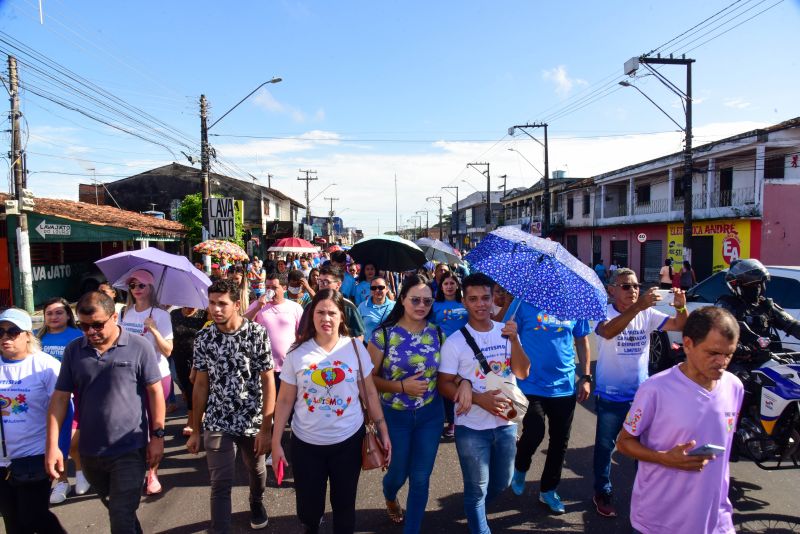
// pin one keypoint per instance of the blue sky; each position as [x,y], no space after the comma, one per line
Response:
[374,89]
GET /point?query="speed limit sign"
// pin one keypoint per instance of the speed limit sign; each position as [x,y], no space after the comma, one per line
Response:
[641,237]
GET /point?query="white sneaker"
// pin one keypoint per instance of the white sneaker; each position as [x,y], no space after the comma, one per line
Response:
[81,484]
[269,459]
[59,492]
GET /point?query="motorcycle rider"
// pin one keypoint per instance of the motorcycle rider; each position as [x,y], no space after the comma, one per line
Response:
[758,315]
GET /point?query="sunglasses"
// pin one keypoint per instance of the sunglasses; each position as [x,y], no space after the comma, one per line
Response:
[12,331]
[134,286]
[416,301]
[377,288]
[96,326]
[628,287]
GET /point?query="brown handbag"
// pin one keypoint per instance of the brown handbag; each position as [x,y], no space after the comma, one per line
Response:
[373,455]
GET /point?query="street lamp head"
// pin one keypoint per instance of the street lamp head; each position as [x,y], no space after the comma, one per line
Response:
[276,79]
[623,83]
[511,131]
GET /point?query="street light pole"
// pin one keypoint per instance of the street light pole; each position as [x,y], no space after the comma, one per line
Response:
[630,68]
[546,194]
[441,232]
[205,149]
[458,219]
[488,215]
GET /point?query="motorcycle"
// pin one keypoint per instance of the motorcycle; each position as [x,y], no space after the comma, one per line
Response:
[768,432]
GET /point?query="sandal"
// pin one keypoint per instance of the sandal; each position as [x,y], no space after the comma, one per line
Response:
[395,512]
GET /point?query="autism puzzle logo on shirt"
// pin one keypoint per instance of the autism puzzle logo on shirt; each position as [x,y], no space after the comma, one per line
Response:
[326,375]
[15,406]
[546,322]
[632,420]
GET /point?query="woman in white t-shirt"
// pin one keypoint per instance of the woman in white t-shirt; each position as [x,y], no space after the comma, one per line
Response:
[319,379]
[27,380]
[142,316]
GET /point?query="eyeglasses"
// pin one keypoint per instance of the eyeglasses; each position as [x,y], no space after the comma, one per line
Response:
[134,286]
[377,288]
[96,326]
[628,287]
[416,301]
[12,331]
[325,281]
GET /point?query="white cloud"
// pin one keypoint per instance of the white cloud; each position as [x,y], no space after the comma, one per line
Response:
[264,99]
[564,84]
[736,103]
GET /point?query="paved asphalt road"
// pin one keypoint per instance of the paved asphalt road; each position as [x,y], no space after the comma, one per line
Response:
[764,501]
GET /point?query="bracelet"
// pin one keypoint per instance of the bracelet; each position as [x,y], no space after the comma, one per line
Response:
[402,388]
[377,422]
[682,309]
[464,380]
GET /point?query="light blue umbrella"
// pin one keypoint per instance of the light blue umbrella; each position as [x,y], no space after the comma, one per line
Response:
[540,272]
[436,250]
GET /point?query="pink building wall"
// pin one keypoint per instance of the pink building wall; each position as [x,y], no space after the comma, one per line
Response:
[780,229]
[654,232]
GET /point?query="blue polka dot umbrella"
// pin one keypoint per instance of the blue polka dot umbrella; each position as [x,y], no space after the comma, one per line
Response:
[540,272]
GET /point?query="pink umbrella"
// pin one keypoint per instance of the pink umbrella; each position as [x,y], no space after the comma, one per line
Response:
[292,244]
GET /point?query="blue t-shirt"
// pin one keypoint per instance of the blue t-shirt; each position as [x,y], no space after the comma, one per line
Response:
[600,269]
[450,315]
[54,344]
[373,314]
[348,286]
[549,343]
[362,291]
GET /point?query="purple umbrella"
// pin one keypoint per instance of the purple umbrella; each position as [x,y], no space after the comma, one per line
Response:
[177,281]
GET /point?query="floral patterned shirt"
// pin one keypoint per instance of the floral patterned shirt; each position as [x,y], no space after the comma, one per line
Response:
[234,363]
[408,354]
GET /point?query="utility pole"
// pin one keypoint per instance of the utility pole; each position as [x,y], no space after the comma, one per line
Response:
[17,168]
[546,194]
[488,216]
[631,66]
[330,218]
[396,223]
[204,156]
[427,221]
[441,232]
[269,180]
[308,179]
[458,218]
[505,179]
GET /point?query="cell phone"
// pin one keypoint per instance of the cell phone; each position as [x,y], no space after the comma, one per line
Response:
[706,450]
[279,472]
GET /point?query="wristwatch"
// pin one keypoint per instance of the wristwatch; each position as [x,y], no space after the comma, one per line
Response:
[589,378]
[157,433]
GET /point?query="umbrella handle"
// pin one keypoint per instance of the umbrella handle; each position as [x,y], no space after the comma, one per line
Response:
[516,306]
[158,291]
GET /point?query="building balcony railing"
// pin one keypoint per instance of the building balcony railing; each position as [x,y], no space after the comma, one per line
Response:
[557,217]
[659,205]
[615,210]
[698,202]
[742,196]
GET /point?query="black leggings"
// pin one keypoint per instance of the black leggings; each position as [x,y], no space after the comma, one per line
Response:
[559,412]
[183,368]
[312,466]
[25,507]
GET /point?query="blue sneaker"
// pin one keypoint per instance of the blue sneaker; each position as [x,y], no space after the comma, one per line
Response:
[552,501]
[518,482]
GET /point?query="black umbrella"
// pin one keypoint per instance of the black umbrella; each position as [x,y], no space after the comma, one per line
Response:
[388,252]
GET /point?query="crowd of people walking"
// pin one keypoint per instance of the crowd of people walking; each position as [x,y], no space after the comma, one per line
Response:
[334,350]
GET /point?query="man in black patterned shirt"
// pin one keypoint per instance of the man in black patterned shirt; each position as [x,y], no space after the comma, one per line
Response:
[235,387]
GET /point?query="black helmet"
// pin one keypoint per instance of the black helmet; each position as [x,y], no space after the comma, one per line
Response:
[744,273]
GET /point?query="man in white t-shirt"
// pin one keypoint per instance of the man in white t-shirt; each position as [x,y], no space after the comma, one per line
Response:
[485,441]
[623,346]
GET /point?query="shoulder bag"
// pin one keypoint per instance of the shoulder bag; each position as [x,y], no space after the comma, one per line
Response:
[372,454]
[518,402]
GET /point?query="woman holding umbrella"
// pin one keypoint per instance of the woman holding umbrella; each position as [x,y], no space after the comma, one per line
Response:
[141,315]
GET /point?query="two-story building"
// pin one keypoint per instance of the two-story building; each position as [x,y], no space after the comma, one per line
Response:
[468,224]
[523,207]
[745,193]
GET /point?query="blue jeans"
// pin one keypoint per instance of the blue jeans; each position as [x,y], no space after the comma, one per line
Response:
[610,416]
[415,441]
[487,465]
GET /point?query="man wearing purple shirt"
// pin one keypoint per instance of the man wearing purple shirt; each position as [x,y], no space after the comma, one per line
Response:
[692,404]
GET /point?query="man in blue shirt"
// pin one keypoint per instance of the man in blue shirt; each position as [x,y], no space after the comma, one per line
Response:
[339,260]
[550,387]
[600,269]
[376,308]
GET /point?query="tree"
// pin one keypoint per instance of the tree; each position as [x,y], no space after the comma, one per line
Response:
[191,216]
